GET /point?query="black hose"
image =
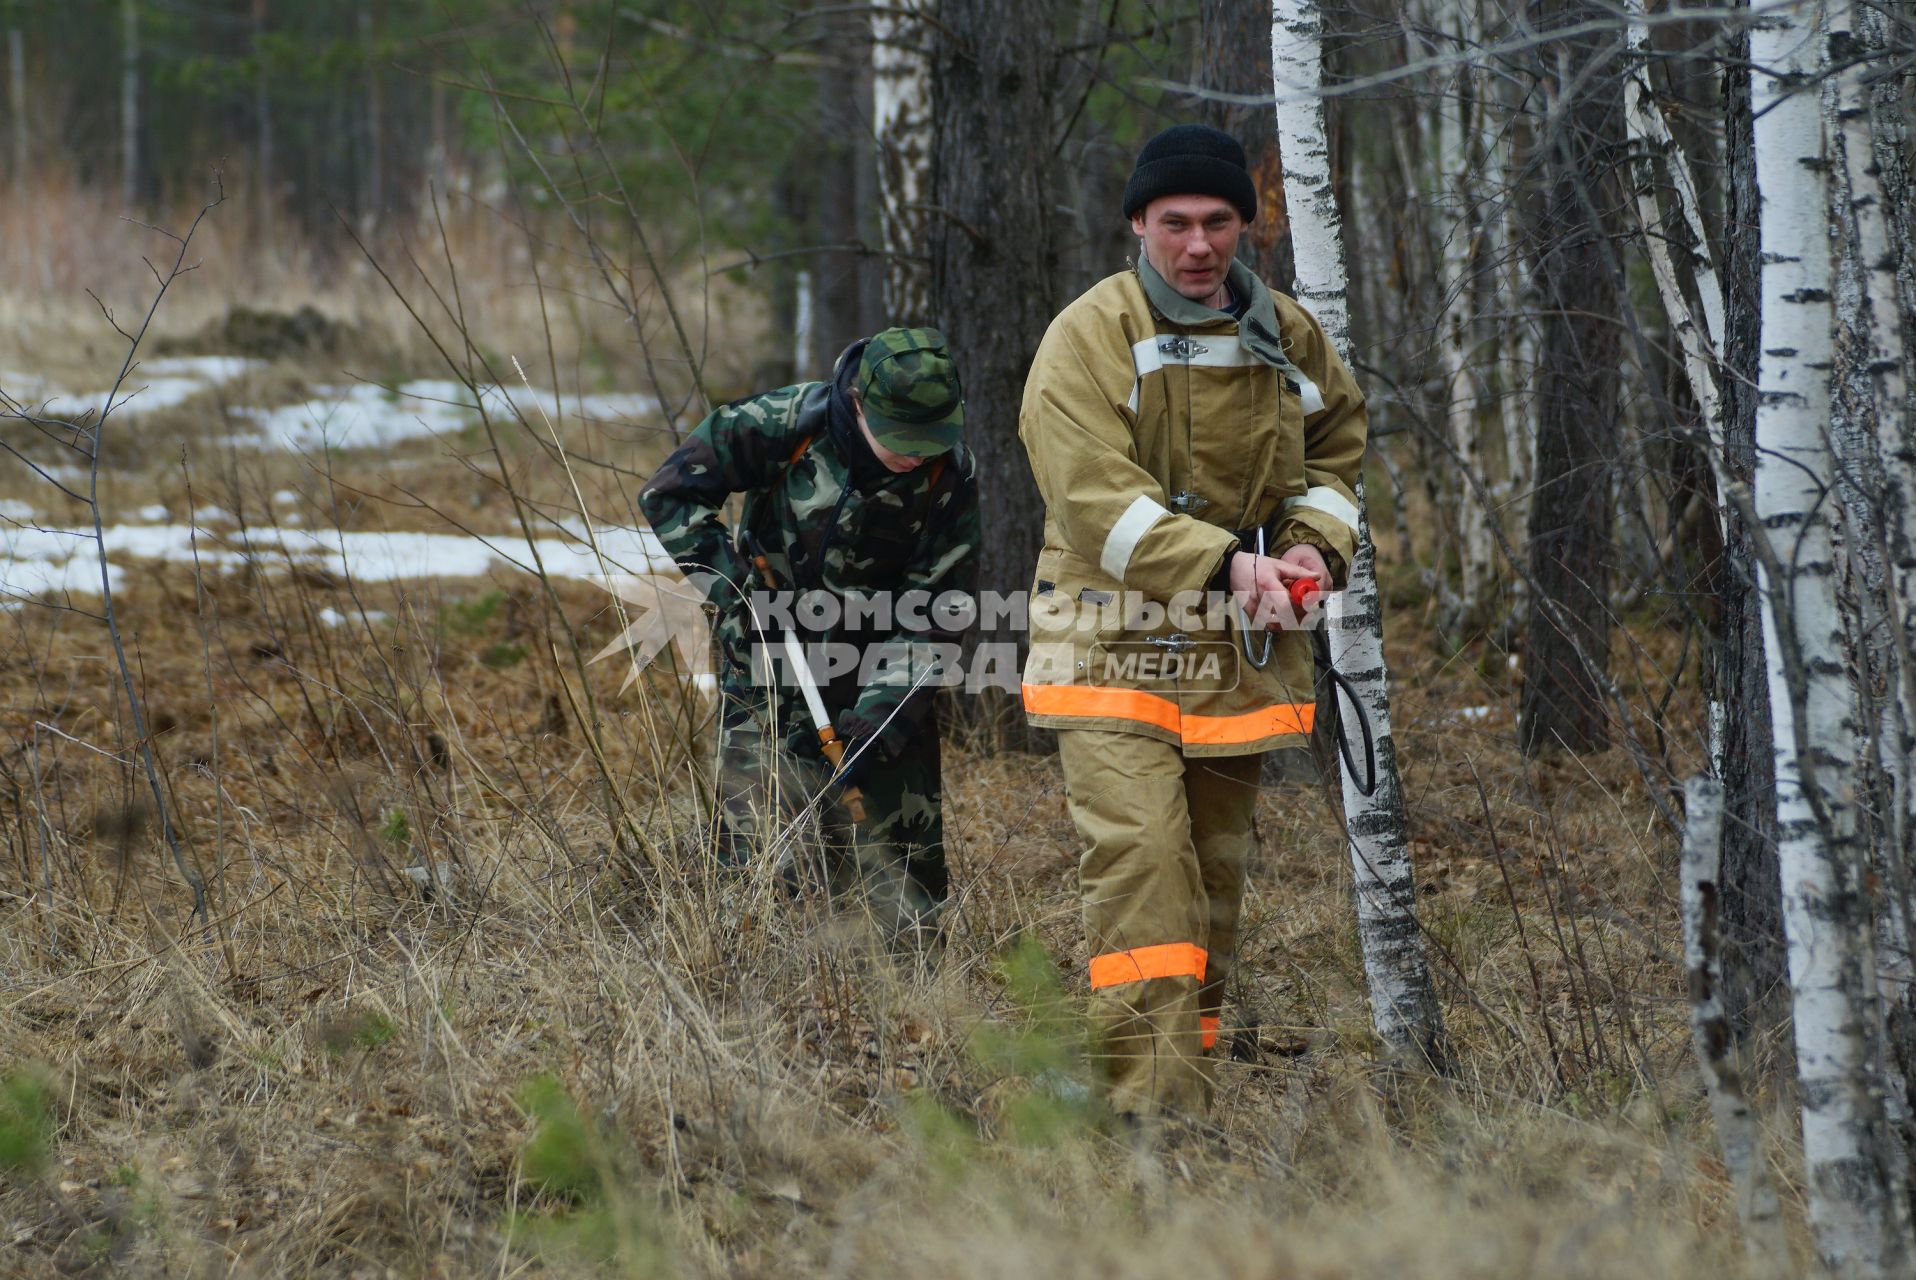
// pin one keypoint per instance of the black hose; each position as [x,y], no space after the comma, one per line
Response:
[1338,680]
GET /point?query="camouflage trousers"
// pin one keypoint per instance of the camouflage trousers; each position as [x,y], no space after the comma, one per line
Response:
[890,864]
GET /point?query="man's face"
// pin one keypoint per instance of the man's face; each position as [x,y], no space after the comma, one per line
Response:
[1190,240]
[899,462]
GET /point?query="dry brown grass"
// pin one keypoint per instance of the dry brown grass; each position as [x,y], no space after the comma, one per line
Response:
[519,290]
[565,1061]
[332,1077]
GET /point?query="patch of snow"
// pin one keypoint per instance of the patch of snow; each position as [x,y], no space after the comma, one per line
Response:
[334,618]
[1474,713]
[286,495]
[212,515]
[211,369]
[363,416]
[59,561]
[153,512]
[14,509]
[152,385]
[48,562]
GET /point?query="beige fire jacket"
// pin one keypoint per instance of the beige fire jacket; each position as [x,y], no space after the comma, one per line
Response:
[1157,429]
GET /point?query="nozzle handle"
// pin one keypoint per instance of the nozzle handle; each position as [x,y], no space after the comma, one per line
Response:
[834,748]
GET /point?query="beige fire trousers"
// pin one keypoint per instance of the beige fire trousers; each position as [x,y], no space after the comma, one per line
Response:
[1167,837]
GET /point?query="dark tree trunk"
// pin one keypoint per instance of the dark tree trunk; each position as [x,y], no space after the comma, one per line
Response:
[17,99]
[785,363]
[832,170]
[993,269]
[867,206]
[1234,56]
[372,190]
[1756,987]
[129,104]
[1577,386]
[264,198]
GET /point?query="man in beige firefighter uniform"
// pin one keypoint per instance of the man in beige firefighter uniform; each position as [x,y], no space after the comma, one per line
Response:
[1196,442]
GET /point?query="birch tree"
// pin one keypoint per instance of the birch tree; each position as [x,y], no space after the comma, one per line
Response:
[1716,340]
[1858,1209]
[1876,481]
[1454,131]
[1404,1008]
[901,122]
[1513,345]
[1756,976]
[1737,1128]
[1678,249]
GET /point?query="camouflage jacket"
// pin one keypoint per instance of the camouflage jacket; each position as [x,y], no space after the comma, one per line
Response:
[823,529]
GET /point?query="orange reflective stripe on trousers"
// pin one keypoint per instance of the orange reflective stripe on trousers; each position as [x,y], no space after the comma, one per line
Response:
[1166,960]
[1209,1025]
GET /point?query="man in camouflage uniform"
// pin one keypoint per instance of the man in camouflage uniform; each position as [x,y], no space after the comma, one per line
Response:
[857,490]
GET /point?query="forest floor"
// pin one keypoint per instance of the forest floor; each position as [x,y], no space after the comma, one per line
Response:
[571,1053]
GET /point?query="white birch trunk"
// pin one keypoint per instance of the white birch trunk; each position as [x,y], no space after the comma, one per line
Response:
[1476,558]
[803,299]
[1404,1008]
[901,124]
[1858,1211]
[1878,392]
[1737,1128]
[1516,357]
[1698,327]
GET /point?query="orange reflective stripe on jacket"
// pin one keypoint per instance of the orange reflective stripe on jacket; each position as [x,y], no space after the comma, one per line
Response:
[1166,960]
[1217,731]
[1097,702]
[1208,1027]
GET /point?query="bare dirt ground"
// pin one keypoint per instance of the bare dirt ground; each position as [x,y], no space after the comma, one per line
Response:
[565,1045]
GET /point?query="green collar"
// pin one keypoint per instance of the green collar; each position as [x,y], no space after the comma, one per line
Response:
[1256,329]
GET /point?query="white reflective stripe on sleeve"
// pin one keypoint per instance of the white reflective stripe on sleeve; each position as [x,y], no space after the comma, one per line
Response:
[1321,497]
[1137,519]
[1144,359]
[1308,393]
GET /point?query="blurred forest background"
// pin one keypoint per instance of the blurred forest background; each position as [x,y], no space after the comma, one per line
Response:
[747,126]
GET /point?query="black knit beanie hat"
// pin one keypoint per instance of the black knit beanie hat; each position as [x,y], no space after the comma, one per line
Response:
[1192,160]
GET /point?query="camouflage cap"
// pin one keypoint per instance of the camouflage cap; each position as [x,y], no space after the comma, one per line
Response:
[913,402]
